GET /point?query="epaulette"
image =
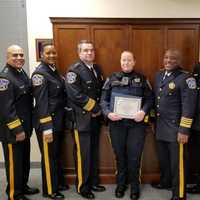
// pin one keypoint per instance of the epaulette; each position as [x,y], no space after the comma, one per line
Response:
[75,65]
[5,70]
[39,69]
[140,75]
[184,71]
[117,75]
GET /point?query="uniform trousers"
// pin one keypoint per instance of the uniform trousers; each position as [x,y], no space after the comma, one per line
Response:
[128,143]
[17,164]
[51,162]
[173,166]
[86,156]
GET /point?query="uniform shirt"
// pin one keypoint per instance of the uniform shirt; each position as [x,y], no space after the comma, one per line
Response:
[175,104]
[84,90]
[50,99]
[16,104]
[133,84]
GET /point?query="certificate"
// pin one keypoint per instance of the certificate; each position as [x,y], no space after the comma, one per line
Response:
[126,106]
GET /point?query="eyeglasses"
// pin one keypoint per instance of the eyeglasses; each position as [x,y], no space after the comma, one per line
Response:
[18,55]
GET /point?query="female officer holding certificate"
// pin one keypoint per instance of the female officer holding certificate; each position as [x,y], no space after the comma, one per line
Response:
[126,100]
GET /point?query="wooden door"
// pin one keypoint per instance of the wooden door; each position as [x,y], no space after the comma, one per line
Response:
[110,41]
[148,39]
[66,38]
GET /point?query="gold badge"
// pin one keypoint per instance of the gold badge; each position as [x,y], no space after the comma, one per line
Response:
[172,85]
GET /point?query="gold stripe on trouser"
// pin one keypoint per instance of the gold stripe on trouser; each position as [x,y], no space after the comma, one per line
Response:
[140,172]
[47,167]
[181,171]
[115,161]
[11,172]
[79,161]
[109,139]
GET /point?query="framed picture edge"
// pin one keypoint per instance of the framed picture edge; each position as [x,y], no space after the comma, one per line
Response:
[38,46]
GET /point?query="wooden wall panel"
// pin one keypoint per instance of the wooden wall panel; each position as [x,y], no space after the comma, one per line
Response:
[66,39]
[110,41]
[148,39]
[147,44]
[185,38]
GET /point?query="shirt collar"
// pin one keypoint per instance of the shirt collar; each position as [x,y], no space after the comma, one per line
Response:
[53,68]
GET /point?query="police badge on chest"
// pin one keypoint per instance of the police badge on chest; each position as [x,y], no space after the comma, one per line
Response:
[172,85]
[125,80]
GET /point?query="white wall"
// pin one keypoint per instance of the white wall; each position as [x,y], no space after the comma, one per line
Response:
[39,11]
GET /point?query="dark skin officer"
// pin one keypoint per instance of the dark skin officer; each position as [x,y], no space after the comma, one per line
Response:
[49,93]
[127,133]
[84,82]
[175,92]
[16,124]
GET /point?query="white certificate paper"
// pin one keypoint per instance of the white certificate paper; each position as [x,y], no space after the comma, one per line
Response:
[126,107]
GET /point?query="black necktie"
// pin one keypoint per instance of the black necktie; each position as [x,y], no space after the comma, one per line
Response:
[93,71]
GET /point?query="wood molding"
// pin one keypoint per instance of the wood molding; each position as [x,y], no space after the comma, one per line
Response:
[142,21]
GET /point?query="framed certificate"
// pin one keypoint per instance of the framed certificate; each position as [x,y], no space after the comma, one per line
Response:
[126,105]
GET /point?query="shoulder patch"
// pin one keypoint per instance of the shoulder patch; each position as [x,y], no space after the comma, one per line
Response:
[191,82]
[184,71]
[4,84]
[5,70]
[71,77]
[37,79]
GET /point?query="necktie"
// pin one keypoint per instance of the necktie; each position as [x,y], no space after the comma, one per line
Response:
[93,71]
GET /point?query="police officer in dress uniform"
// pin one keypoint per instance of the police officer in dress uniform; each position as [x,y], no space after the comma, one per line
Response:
[175,92]
[127,135]
[195,136]
[16,124]
[49,93]
[84,82]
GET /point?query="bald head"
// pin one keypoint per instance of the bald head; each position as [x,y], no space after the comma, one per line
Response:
[15,56]
[172,59]
[127,61]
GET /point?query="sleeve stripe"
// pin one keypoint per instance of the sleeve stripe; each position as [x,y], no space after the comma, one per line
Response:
[186,119]
[185,125]
[14,124]
[146,118]
[89,105]
[186,122]
[45,119]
